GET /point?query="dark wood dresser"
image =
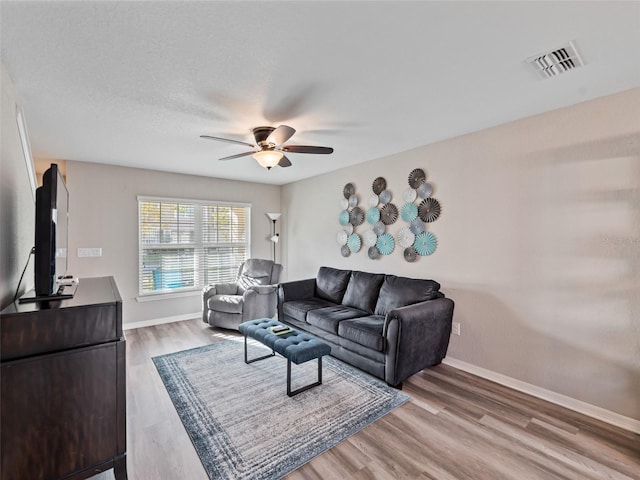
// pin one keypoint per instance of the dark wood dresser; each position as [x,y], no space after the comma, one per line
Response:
[63,395]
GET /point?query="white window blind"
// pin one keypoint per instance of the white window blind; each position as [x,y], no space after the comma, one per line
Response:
[187,244]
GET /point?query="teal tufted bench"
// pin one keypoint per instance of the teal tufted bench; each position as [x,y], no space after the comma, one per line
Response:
[297,347]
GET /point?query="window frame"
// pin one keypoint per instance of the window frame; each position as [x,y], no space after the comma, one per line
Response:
[198,244]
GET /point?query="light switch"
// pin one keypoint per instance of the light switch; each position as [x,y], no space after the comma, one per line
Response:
[89,252]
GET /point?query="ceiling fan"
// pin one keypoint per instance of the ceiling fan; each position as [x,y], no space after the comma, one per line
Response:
[269,142]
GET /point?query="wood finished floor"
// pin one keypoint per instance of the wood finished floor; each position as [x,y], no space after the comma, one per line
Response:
[457,426]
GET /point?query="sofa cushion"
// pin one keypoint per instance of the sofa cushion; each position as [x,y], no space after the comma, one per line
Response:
[362,291]
[298,308]
[365,331]
[328,318]
[226,303]
[331,283]
[401,291]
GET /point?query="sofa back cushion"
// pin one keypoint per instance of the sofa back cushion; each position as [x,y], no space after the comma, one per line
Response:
[331,283]
[400,292]
[362,290]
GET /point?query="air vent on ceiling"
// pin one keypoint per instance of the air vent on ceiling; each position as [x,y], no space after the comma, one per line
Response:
[558,61]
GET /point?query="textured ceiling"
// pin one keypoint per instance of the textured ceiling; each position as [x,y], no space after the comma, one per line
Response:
[136,83]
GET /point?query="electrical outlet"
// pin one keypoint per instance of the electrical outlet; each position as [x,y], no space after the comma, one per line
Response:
[455,328]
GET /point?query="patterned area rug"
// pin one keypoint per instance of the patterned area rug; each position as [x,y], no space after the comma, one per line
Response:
[241,421]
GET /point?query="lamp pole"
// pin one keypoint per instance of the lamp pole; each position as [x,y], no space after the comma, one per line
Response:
[274,239]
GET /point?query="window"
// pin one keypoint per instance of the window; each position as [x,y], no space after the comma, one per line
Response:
[186,244]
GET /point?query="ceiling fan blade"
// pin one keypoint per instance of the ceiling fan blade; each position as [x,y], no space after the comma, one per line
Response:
[238,155]
[307,149]
[284,162]
[209,137]
[280,135]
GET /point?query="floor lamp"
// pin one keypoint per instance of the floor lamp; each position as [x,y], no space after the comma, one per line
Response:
[276,236]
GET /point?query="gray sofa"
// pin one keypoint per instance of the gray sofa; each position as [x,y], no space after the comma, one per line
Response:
[388,326]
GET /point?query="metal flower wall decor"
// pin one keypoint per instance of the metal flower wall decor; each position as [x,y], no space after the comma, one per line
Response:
[349,217]
[418,209]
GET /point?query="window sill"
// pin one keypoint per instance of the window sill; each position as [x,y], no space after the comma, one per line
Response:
[167,296]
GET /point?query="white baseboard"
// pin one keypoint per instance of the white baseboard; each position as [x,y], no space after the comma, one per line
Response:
[160,321]
[579,406]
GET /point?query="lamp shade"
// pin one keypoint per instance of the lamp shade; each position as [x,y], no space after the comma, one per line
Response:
[276,236]
[268,158]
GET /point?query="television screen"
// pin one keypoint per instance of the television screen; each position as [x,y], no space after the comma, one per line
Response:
[62,212]
[52,200]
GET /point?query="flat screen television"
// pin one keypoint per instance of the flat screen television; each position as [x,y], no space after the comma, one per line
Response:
[52,205]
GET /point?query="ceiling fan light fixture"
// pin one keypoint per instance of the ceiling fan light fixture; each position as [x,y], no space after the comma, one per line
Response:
[268,158]
[270,143]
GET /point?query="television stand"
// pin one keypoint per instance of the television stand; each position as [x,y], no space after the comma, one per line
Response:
[63,386]
[65,292]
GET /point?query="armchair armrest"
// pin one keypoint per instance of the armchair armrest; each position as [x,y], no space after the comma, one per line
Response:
[295,290]
[207,292]
[262,289]
[417,337]
[259,302]
[217,289]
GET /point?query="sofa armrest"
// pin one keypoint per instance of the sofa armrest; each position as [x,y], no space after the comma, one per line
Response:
[417,337]
[295,290]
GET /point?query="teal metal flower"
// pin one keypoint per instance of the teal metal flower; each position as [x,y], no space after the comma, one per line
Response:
[343,218]
[385,244]
[425,243]
[354,243]
[373,215]
[409,212]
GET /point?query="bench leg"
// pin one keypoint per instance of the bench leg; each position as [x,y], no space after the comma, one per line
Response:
[246,360]
[307,387]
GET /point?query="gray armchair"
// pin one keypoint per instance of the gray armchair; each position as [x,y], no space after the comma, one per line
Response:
[253,295]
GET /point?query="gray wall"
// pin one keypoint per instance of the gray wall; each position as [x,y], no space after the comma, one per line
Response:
[538,244]
[539,238]
[17,206]
[103,212]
